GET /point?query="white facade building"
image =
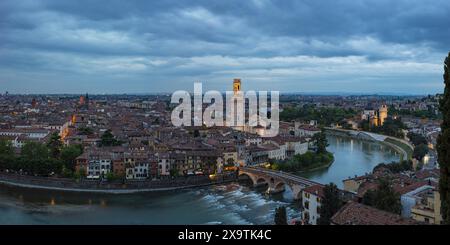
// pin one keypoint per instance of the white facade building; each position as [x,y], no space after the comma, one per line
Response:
[32,134]
[139,171]
[305,130]
[276,152]
[311,203]
[98,167]
[297,147]
[410,199]
[164,166]
[367,114]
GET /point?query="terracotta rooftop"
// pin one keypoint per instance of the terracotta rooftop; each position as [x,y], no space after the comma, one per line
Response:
[423,174]
[403,189]
[354,213]
[365,187]
[315,190]
[309,127]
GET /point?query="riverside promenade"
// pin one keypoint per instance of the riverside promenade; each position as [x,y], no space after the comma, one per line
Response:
[111,187]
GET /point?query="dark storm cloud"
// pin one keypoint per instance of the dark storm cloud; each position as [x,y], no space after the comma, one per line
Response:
[284,43]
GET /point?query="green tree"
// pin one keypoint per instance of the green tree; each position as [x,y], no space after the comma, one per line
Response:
[419,166]
[174,172]
[85,131]
[420,151]
[280,216]
[35,151]
[384,197]
[6,148]
[443,145]
[320,142]
[110,176]
[36,159]
[417,139]
[55,145]
[67,173]
[81,173]
[324,116]
[369,198]
[364,125]
[51,166]
[108,139]
[331,203]
[69,154]
[303,162]
[391,127]
[7,157]
[275,166]
[396,167]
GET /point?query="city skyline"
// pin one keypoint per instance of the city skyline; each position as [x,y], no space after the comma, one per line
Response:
[53,47]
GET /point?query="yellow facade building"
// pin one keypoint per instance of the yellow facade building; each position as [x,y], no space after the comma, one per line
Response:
[382,114]
[378,117]
[429,210]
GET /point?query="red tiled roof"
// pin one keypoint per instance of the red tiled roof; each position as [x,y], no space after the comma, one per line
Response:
[423,174]
[354,213]
[408,188]
[315,190]
[365,187]
[309,128]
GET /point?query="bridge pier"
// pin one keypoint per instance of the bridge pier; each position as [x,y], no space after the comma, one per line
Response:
[297,192]
[273,190]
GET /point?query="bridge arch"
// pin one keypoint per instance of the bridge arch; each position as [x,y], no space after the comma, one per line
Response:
[277,181]
[262,181]
[255,179]
[280,185]
[251,177]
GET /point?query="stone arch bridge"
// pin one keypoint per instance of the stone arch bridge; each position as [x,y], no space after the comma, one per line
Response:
[276,180]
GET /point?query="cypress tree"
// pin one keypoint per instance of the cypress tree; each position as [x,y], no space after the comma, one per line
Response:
[443,145]
[331,203]
[280,216]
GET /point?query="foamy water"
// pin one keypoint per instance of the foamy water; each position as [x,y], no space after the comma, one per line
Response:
[223,204]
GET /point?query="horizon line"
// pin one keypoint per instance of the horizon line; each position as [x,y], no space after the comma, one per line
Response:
[281,93]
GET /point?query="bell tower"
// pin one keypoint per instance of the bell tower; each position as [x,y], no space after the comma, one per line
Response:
[236,85]
[238,106]
[383,111]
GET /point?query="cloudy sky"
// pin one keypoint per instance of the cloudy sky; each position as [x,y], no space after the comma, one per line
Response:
[160,46]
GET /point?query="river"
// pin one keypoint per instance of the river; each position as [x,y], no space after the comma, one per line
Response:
[222,204]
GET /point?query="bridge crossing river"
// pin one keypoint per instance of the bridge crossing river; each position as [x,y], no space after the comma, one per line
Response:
[276,180]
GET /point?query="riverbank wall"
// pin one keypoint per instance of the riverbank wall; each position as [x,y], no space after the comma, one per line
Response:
[117,187]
